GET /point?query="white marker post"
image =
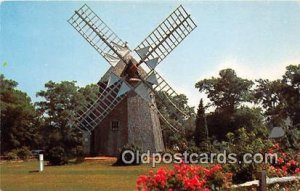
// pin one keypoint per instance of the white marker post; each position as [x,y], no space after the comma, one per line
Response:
[41,159]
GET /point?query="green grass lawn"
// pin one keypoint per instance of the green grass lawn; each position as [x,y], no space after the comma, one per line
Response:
[90,175]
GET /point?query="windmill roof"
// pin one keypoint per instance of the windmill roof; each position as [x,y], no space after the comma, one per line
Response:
[118,69]
[115,69]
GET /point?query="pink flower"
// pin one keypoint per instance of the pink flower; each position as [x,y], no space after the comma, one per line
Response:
[276,146]
[293,162]
[280,160]
[141,180]
[182,177]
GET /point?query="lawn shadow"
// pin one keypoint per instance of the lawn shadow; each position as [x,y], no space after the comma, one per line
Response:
[33,171]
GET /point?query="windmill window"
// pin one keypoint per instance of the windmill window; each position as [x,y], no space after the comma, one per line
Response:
[115,125]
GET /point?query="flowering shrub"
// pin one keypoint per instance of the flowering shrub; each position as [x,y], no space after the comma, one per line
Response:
[285,186]
[241,142]
[185,178]
[287,162]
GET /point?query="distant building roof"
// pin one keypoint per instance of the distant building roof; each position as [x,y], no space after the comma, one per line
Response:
[277,132]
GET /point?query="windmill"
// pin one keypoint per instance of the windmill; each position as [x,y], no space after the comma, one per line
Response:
[125,110]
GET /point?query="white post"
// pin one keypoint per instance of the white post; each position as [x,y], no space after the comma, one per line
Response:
[41,159]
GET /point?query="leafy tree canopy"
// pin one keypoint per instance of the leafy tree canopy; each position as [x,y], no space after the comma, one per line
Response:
[227,91]
[175,119]
[19,121]
[60,102]
[281,98]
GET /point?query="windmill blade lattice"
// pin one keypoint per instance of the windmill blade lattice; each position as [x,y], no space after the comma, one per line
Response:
[98,34]
[165,37]
[158,45]
[90,116]
[161,86]
[152,51]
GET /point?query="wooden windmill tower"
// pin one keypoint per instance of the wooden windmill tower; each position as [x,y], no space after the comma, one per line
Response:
[125,110]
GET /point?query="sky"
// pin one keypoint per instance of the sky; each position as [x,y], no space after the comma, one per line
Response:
[256,39]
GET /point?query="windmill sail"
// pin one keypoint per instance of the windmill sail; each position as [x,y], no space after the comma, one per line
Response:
[165,37]
[152,51]
[98,34]
[89,117]
[162,87]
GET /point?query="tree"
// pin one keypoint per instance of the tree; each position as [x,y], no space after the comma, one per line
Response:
[226,92]
[60,101]
[201,131]
[19,120]
[291,92]
[219,124]
[281,98]
[173,118]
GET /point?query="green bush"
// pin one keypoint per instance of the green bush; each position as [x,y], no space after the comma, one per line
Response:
[22,153]
[57,156]
[132,148]
[241,142]
[12,155]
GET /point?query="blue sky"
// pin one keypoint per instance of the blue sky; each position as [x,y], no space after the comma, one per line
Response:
[257,39]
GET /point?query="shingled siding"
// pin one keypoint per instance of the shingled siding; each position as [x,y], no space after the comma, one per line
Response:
[104,140]
[143,125]
[138,124]
[159,143]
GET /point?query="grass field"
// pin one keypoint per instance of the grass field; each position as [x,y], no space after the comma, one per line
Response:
[90,175]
